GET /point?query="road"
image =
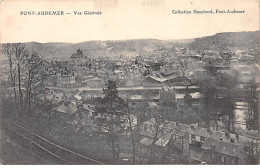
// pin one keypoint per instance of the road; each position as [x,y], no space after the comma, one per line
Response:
[122,88]
[137,88]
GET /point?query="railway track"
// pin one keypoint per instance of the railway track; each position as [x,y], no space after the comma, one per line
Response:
[46,149]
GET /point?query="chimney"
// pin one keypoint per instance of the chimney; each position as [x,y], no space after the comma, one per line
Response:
[237,136]
[213,146]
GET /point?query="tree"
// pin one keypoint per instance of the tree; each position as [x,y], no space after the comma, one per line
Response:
[158,122]
[227,107]
[16,54]
[26,72]
[136,61]
[132,132]
[45,109]
[183,65]
[188,98]
[20,53]
[114,106]
[211,68]
[253,114]
[34,79]
[226,103]
[226,55]
[208,103]
[8,51]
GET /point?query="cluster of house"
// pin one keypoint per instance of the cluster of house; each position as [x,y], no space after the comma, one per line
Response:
[83,117]
[178,67]
[199,144]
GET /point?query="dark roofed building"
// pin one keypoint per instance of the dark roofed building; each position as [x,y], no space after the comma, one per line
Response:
[167,97]
[171,80]
[222,152]
[77,55]
[167,72]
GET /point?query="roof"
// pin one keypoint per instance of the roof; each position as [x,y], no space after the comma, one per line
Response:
[198,131]
[59,94]
[157,78]
[172,77]
[86,106]
[245,78]
[132,116]
[152,104]
[168,72]
[75,55]
[248,56]
[164,140]
[182,133]
[194,95]
[61,109]
[212,134]
[146,141]
[200,69]
[223,147]
[64,108]
[82,110]
[117,71]
[162,79]
[170,126]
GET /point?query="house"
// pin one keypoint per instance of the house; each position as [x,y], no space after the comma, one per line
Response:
[65,79]
[195,57]
[95,82]
[165,135]
[55,96]
[152,80]
[247,58]
[89,108]
[67,107]
[167,97]
[205,145]
[168,72]
[221,66]
[160,80]
[199,74]
[226,148]
[125,123]
[81,120]
[221,152]
[191,57]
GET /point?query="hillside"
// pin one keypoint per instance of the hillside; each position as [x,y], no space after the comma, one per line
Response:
[126,48]
[230,39]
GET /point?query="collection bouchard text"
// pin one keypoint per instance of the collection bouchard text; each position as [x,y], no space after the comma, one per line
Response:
[216,11]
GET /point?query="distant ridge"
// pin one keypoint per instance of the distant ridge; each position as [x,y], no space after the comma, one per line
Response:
[134,47]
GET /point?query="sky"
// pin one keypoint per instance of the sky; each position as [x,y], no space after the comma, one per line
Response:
[122,19]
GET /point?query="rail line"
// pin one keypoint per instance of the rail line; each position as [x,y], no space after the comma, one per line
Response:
[45,148]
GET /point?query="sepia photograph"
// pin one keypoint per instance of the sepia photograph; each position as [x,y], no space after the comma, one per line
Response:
[141,82]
